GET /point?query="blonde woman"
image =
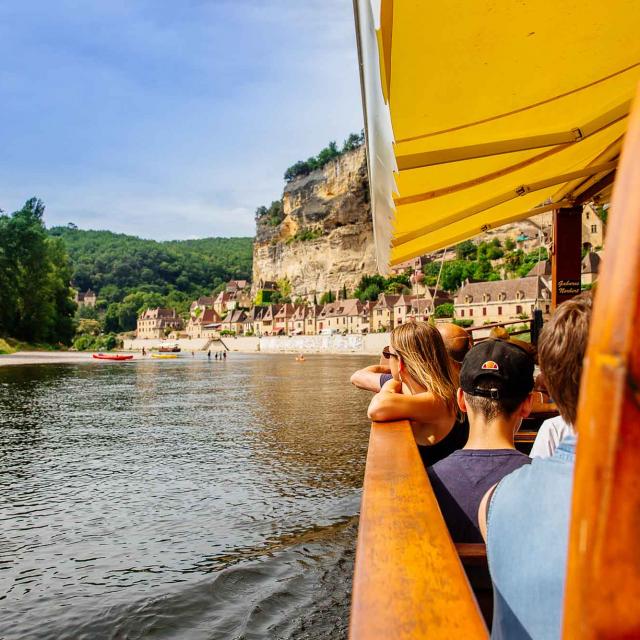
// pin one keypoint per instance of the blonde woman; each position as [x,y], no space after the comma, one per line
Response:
[423,390]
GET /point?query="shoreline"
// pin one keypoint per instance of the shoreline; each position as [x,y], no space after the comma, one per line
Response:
[23,358]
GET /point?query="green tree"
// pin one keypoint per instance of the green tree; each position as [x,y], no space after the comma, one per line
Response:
[444,310]
[466,250]
[327,297]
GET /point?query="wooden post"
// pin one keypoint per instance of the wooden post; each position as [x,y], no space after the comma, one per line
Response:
[603,577]
[567,254]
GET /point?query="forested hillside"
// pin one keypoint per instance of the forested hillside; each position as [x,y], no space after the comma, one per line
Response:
[130,274]
[113,264]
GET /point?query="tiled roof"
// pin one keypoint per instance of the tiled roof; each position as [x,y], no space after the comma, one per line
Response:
[542,268]
[386,301]
[532,287]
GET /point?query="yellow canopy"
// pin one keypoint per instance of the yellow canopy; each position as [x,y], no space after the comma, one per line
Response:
[482,112]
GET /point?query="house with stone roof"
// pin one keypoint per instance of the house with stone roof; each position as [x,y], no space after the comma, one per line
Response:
[157,323]
[589,268]
[202,303]
[250,322]
[502,300]
[282,318]
[342,316]
[264,326]
[542,268]
[312,313]
[234,322]
[199,325]
[86,299]
[382,318]
[224,302]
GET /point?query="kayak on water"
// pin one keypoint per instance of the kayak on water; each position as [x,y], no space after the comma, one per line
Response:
[108,356]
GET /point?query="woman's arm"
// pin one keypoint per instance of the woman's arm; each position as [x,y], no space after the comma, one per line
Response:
[392,404]
[369,377]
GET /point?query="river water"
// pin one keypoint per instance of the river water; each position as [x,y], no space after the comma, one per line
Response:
[180,498]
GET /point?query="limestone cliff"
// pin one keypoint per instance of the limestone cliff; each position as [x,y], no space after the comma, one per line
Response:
[323,238]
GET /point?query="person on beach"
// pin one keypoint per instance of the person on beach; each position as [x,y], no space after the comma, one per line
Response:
[209,354]
[456,341]
[496,380]
[533,504]
[422,390]
[144,353]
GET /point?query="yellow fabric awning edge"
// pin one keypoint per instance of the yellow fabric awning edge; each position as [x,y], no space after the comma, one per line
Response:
[563,184]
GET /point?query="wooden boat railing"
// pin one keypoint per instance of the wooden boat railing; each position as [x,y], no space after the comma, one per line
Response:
[408,580]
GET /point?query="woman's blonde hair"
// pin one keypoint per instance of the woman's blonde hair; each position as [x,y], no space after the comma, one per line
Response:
[425,358]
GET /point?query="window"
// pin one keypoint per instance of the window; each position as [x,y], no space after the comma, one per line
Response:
[586,215]
[484,311]
[470,312]
[518,309]
[499,311]
[486,297]
[594,228]
[546,308]
[462,313]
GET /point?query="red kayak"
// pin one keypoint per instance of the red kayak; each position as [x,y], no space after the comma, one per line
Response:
[107,356]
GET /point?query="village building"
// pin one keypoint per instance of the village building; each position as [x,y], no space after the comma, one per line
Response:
[202,303]
[158,323]
[264,326]
[224,302]
[589,268]
[312,313]
[234,322]
[592,229]
[282,318]
[382,318]
[502,300]
[86,299]
[250,322]
[199,325]
[342,316]
[297,322]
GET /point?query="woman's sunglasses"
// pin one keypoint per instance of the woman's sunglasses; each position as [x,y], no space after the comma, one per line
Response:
[387,354]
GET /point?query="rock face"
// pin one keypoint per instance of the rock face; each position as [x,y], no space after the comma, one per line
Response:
[325,239]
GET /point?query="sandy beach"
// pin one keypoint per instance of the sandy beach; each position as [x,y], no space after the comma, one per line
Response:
[50,357]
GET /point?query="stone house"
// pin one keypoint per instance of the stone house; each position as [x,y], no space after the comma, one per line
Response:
[86,299]
[592,229]
[199,323]
[342,316]
[382,318]
[402,309]
[234,322]
[202,303]
[281,319]
[297,322]
[224,302]
[251,320]
[157,323]
[264,326]
[502,300]
[312,314]
[589,268]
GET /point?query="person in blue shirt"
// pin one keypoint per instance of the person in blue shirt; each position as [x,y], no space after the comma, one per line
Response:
[525,517]
[496,380]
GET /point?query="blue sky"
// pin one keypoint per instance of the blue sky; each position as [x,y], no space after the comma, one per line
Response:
[168,119]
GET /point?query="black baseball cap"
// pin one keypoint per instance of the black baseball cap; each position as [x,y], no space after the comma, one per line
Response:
[503,363]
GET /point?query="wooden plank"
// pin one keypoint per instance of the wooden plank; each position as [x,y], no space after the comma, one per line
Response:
[408,581]
[566,254]
[603,579]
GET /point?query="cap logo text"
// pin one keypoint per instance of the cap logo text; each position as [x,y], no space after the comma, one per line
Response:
[490,364]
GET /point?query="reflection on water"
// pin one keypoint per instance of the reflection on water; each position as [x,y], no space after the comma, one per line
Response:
[179,499]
